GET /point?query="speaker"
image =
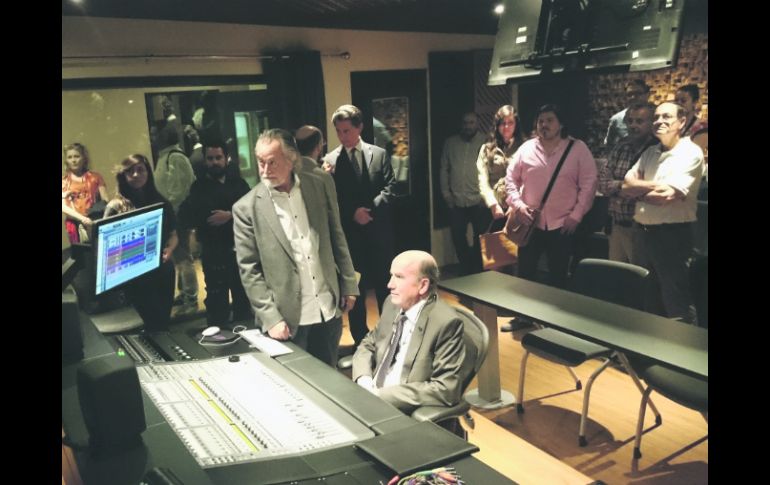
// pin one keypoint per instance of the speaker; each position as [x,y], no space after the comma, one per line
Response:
[71,338]
[111,402]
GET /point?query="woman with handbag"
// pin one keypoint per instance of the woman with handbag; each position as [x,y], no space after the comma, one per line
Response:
[551,184]
[493,161]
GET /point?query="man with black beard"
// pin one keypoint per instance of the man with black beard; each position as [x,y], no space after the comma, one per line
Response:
[208,210]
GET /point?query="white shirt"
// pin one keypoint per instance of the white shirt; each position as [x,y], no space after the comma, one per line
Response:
[459,176]
[681,168]
[394,375]
[316,297]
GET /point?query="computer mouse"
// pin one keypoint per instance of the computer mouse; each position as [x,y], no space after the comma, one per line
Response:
[210,331]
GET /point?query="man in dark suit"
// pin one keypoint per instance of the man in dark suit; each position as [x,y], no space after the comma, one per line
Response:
[292,254]
[365,186]
[416,355]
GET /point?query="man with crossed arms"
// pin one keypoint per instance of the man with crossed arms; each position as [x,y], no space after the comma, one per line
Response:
[665,183]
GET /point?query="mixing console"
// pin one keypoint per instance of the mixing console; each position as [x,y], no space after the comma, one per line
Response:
[245,408]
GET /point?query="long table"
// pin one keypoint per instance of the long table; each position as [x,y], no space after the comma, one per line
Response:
[635,333]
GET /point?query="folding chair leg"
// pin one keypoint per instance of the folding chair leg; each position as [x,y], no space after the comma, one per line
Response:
[578,384]
[469,420]
[640,423]
[522,374]
[627,365]
[586,396]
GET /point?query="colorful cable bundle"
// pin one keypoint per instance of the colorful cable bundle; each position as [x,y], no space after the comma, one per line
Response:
[437,476]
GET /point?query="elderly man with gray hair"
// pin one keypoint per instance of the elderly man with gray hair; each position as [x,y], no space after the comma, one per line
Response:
[416,354]
[292,254]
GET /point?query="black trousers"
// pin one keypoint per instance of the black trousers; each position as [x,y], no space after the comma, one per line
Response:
[557,248]
[668,248]
[372,253]
[220,273]
[321,340]
[479,218]
[357,315]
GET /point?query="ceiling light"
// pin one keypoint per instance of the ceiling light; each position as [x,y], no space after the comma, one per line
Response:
[499,9]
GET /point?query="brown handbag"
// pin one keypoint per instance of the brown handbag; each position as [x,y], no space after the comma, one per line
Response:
[519,231]
[497,250]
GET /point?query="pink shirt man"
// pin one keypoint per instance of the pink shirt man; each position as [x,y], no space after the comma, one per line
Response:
[573,192]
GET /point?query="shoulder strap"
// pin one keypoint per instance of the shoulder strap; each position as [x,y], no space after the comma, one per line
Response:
[556,173]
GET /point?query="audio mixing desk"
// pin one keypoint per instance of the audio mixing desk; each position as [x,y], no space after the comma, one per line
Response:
[246,419]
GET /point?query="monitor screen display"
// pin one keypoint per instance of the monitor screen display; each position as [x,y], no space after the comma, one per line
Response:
[543,37]
[127,246]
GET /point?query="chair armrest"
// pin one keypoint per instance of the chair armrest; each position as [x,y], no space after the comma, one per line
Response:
[437,414]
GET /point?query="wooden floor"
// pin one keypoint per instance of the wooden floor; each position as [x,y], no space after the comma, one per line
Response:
[674,453]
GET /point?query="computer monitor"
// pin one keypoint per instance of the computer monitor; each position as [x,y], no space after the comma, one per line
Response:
[127,246]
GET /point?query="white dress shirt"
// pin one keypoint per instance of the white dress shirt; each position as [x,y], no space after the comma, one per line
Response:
[681,168]
[317,300]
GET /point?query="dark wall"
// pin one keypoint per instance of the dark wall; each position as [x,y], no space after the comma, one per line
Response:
[458,84]
[568,91]
[451,95]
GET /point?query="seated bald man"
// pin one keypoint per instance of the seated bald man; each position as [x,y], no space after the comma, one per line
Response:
[414,357]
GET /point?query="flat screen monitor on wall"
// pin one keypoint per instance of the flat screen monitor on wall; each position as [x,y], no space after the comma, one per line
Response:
[127,246]
[550,36]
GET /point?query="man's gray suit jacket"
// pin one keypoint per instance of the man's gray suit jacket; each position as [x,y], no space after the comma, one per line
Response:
[268,271]
[434,369]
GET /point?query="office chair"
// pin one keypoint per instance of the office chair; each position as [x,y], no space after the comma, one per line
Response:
[688,391]
[612,281]
[476,339]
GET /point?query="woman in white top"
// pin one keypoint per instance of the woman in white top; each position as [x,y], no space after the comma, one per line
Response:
[493,160]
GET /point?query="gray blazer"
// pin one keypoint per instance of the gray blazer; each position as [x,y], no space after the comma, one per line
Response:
[309,166]
[268,271]
[433,371]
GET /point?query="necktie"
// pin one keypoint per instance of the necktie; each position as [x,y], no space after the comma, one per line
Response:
[354,161]
[362,171]
[395,340]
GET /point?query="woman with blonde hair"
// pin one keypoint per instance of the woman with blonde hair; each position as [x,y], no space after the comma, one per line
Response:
[80,190]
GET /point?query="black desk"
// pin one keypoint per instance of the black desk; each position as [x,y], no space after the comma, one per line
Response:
[162,448]
[633,332]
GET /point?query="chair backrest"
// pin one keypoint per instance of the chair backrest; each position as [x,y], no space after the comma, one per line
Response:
[699,284]
[476,338]
[620,283]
